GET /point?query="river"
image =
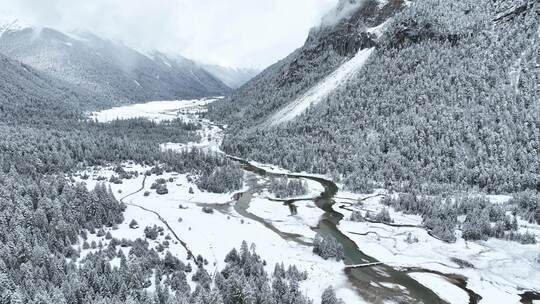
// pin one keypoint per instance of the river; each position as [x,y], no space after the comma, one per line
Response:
[377,283]
[366,280]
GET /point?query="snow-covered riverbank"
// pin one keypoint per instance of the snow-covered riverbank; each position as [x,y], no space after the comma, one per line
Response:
[501,268]
[214,235]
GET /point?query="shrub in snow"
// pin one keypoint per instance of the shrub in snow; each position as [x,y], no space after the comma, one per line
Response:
[328,247]
[410,239]
[284,187]
[462,263]
[152,232]
[329,297]
[146,193]
[156,170]
[527,205]
[207,210]
[476,226]
[160,248]
[100,232]
[115,180]
[133,224]
[125,243]
[162,189]
[523,238]
[356,216]
[383,217]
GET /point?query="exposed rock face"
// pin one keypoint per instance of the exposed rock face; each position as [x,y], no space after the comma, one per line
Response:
[411,32]
[342,33]
[344,37]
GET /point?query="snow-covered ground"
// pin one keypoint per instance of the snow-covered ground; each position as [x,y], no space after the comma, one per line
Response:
[501,268]
[214,235]
[442,288]
[155,110]
[321,90]
[211,137]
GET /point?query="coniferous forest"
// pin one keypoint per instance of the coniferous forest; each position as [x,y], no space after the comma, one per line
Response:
[449,100]
[437,133]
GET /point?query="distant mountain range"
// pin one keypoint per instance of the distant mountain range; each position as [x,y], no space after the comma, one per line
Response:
[233,77]
[111,72]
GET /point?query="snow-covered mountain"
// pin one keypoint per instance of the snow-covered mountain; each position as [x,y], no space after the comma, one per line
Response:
[233,77]
[11,24]
[106,69]
[26,93]
[342,34]
[425,94]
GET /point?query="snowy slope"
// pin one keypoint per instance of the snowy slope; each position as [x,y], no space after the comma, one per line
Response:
[8,23]
[322,90]
[105,69]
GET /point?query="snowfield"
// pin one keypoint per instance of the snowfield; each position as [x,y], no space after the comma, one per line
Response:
[214,235]
[322,90]
[155,110]
[501,270]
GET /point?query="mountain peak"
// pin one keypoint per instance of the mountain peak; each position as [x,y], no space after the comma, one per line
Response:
[10,23]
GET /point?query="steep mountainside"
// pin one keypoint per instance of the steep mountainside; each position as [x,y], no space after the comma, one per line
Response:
[232,77]
[327,47]
[106,69]
[448,99]
[26,93]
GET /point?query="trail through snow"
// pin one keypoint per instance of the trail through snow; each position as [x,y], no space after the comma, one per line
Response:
[322,90]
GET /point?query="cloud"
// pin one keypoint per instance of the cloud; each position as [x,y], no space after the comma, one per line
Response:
[252,33]
[343,9]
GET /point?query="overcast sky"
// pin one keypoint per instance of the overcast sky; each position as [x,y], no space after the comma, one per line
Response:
[245,33]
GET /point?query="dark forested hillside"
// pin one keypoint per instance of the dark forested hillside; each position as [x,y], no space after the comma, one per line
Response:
[25,93]
[43,214]
[449,99]
[109,71]
[327,47]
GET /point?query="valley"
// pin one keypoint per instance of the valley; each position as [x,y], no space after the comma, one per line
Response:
[275,152]
[427,270]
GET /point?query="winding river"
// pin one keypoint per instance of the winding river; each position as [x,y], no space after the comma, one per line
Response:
[370,282]
[378,283]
